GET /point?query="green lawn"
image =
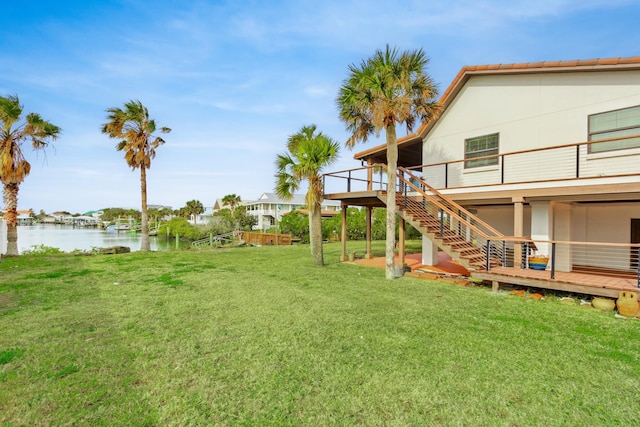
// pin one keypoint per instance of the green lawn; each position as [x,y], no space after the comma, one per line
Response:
[259,336]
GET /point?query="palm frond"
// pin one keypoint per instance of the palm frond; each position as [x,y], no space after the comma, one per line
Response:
[308,153]
[391,87]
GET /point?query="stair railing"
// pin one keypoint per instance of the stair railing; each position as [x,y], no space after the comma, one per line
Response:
[454,220]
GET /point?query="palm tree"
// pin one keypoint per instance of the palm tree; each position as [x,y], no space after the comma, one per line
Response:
[389,88]
[133,127]
[13,165]
[232,201]
[194,208]
[308,153]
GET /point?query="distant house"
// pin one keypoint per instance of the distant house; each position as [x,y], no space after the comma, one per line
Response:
[48,219]
[60,216]
[95,214]
[269,208]
[205,216]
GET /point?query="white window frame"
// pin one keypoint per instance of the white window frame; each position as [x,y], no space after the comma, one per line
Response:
[615,129]
[470,163]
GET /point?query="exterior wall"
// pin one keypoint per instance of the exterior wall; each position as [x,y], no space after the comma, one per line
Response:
[502,218]
[593,222]
[604,223]
[530,111]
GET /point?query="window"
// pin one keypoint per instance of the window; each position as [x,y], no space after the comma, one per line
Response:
[481,146]
[614,124]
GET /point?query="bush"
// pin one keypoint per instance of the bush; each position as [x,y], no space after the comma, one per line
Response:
[182,228]
[42,250]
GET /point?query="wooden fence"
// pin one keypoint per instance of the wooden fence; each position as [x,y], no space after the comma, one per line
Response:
[251,238]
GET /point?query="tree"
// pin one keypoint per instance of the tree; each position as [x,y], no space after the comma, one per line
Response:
[239,219]
[243,219]
[133,127]
[14,167]
[193,208]
[389,88]
[296,224]
[308,153]
[232,201]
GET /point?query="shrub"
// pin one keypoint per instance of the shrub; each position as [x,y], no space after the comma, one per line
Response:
[42,250]
[182,228]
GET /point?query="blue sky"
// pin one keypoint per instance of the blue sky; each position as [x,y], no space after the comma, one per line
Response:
[233,79]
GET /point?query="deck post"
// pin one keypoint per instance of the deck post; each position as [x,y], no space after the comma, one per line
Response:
[369,176]
[446,175]
[518,231]
[488,255]
[401,242]
[343,232]
[495,286]
[504,253]
[368,218]
[404,195]
[553,260]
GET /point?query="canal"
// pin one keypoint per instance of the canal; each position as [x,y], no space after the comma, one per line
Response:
[68,238]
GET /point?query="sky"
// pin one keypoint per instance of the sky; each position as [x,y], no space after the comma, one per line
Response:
[234,79]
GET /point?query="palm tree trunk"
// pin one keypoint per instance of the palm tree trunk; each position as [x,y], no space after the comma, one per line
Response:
[11,217]
[315,234]
[144,238]
[392,164]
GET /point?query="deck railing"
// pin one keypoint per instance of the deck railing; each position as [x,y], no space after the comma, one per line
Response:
[551,256]
[549,164]
[365,178]
[562,162]
[611,259]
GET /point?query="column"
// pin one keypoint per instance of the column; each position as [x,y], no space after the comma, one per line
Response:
[369,214]
[401,241]
[343,233]
[562,232]
[542,225]
[518,229]
[429,252]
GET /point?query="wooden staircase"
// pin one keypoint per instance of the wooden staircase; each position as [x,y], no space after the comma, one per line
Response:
[459,233]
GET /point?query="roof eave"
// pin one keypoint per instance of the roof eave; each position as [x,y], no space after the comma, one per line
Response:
[589,65]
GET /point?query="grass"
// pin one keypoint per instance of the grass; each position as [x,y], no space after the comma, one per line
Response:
[259,336]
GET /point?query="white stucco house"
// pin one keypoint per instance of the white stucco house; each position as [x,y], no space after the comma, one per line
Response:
[516,145]
[269,208]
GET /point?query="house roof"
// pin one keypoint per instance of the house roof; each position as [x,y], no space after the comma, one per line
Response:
[409,146]
[298,200]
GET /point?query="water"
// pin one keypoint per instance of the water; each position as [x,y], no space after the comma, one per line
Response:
[68,238]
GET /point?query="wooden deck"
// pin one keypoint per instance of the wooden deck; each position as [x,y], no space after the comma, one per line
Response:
[581,283]
[575,282]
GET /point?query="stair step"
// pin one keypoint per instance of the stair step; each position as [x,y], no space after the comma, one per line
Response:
[465,249]
[472,257]
[451,241]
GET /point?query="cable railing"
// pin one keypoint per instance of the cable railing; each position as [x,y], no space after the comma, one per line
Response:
[618,260]
[366,178]
[468,236]
[563,162]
